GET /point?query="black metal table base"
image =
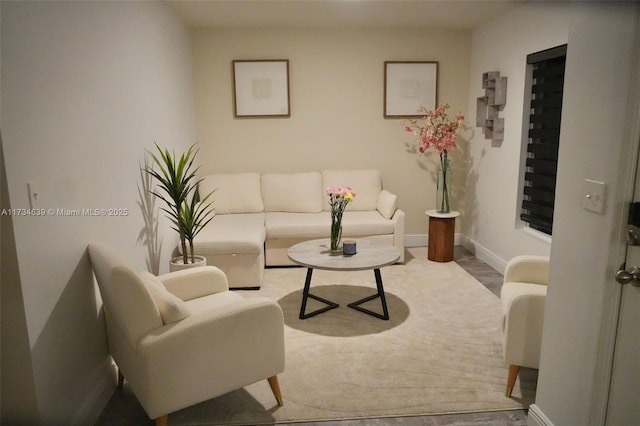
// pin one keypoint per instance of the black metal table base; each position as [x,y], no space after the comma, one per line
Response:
[306,294]
[354,305]
[383,300]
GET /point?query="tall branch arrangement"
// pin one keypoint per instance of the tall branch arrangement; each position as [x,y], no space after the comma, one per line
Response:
[436,131]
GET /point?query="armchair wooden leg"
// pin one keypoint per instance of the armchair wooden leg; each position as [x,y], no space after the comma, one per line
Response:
[511,380]
[162,421]
[275,388]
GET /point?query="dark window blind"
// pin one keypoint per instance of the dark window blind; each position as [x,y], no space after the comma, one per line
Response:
[543,138]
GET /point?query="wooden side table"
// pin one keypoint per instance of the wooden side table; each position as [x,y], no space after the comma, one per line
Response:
[441,232]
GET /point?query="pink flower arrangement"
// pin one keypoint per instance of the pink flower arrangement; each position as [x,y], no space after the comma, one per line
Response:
[439,134]
[342,191]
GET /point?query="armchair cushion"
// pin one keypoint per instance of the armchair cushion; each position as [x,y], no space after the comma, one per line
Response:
[171,307]
[134,310]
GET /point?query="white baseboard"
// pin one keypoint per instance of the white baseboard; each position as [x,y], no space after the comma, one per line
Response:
[482,253]
[100,386]
[486,255]
[422,240]
[415,240]
[535,417]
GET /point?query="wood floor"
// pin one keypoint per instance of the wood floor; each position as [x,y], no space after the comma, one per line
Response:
[496,418]
[126,411]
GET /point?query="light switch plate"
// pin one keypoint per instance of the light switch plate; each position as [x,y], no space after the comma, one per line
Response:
[34,195]
[593,197]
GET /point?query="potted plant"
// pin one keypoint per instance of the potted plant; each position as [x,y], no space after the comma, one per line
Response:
[194,215]
[178,188]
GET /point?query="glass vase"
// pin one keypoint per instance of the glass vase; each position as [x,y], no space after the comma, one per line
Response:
[443,189]
[336,235]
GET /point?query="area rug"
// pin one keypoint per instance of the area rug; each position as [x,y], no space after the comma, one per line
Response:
[440,351]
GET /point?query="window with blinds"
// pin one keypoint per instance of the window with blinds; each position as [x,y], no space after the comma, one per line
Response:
[543,138]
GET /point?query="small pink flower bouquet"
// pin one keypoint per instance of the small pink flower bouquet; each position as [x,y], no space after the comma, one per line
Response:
[339,197]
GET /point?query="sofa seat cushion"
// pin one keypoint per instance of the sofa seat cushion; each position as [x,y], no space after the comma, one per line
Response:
[362,224]
[303,225]
[232,233]
[318,225]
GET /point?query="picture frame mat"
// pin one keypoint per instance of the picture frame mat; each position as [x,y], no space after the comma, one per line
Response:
[261,88]
[409,86]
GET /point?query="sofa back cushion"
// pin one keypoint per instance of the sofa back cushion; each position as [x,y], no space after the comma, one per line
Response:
[292,192]
[234,192]
[367,185]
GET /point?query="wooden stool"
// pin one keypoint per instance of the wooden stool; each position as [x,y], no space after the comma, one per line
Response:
[441,234]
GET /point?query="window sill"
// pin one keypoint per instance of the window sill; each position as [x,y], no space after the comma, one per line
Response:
[541,236]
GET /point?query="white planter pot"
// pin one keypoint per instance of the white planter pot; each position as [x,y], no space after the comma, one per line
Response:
[176,264]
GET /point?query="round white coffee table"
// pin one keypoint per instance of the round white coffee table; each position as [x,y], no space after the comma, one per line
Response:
[316,254]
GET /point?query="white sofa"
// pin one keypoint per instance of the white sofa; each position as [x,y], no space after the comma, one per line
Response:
[258,217]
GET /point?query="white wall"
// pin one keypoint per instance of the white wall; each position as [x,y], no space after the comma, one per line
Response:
[86,87]
[492,209]
[588,247]
[336,79]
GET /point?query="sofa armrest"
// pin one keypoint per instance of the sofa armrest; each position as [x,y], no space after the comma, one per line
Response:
[387,204]
[195,282]
[398,234]
[244,317]
[211,353]
[522,334]
[528,269]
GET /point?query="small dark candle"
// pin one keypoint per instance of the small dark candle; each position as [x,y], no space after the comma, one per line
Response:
[349,247]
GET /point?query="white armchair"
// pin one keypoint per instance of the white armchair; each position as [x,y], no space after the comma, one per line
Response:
[183,338]
[523,297]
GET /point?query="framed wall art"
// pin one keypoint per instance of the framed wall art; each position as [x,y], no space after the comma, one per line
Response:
[261,88]
[408,86]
